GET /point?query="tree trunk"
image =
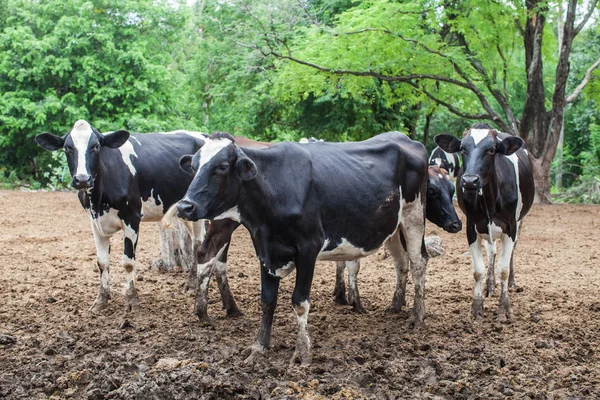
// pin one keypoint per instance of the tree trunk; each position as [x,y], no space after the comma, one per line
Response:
[541,177]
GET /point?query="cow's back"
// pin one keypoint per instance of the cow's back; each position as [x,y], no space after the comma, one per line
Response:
[157,165]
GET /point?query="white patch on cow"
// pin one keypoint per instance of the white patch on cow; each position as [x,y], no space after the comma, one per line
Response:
[211,148]
[302,314]
[353,269]
[303,141]
[203,270]
[285,270]
[344,251]
[479,134]
[450,159]
[440,175]
[131,275]
[150,210]
[130,233]
[437,161]
[232,213]
[198,135]
[494,233]
[81,134]
[478,267]
[127,151]
[136,140]
[106,224]
[515,161]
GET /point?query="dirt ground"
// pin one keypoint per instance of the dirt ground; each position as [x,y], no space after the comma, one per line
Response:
[52,346]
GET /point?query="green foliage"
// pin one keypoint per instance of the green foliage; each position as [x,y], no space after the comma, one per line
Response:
[106,61]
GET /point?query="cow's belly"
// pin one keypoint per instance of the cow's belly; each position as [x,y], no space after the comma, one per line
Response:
[344,251]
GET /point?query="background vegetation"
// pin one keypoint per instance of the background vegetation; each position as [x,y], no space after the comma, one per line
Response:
[285,69]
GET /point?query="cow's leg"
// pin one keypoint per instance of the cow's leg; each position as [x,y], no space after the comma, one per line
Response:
[339,292]
[212,256]
[103,262]
[227,299]
[511,273]
[396,248]
[269,289]
[490,251]
[414,234]
[132,302]
[353,295]
[478,270]
[504,309]
[305,267]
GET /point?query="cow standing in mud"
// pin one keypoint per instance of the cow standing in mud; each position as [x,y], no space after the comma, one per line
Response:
[123,180]
[439,210]
[495,191]
[328,201]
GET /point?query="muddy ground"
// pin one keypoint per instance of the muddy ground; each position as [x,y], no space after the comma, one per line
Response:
[51,346]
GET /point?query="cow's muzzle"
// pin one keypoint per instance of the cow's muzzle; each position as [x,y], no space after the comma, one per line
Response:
[453,227]
[82,182]
[470,182]
[187,210]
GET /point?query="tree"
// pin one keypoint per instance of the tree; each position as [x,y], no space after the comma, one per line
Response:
[480,61]
[106,61]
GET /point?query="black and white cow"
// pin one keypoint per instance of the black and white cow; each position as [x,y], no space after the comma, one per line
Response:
[122,180]
[448,161]
[495,191]
[439,210]
[330,201]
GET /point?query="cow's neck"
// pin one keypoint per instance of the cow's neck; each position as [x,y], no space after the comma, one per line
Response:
[106,181]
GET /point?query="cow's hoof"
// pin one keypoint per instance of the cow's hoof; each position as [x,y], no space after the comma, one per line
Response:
[189,288]
[415,324]
[253,354]
[101,303]
[302,358]
[133,306]
[505,317]
[339,297]
[477,309]
[206,321]
[359,309]
[234,313]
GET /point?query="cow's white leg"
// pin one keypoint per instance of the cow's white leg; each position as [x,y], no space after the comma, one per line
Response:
[504,309]
[353,295]
[478,273]
[490,251]
[414,233]
[339,292]
[132,302]
[302,351]
[400,257]
[511,273]
[227,299]
[103,262]
[198,230]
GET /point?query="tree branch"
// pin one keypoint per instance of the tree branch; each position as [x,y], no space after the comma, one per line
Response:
[588,74]
[586,18]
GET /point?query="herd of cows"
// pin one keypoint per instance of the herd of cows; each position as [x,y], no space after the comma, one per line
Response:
[303,202]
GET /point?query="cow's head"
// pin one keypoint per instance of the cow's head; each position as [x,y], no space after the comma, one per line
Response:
[220,167]
[439,208]
[82,145]
[478,149]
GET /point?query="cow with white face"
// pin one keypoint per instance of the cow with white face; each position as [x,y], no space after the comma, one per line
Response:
[122,180]
[495,191]
[300,203]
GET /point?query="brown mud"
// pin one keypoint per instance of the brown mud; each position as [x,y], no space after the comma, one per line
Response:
[51,346]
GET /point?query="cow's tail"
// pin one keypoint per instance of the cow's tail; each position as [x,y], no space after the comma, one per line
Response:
[169,217]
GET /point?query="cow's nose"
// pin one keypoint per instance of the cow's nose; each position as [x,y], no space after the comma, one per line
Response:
[456,226]
[185,209]
[471,182]
[82,181]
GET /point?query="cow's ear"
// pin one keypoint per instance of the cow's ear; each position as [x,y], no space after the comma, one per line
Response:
[115,139]
[245,168]
[185,163]
[447,143]
[509,145]
[50,141]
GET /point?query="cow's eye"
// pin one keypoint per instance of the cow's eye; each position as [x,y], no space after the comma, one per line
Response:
[223,168]
[491,151]
[68,149]
[96,147]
